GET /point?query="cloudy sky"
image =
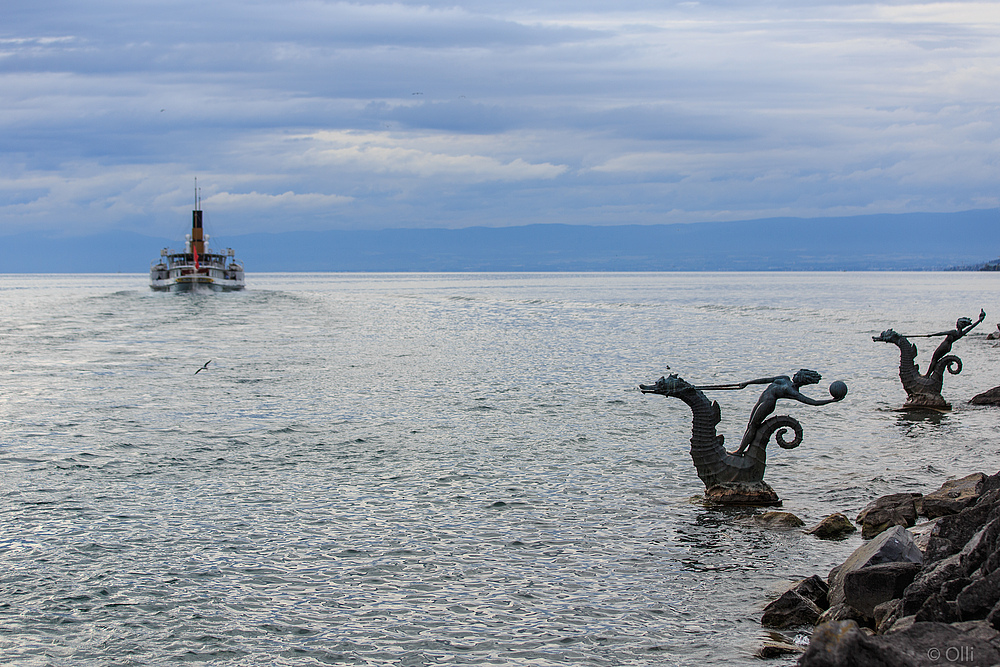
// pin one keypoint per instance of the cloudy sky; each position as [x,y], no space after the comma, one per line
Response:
[349,115]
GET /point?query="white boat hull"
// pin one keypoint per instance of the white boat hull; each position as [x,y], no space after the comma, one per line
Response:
[196,284]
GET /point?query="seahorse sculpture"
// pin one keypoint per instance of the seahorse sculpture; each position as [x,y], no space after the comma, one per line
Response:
[714,464]
[924,391]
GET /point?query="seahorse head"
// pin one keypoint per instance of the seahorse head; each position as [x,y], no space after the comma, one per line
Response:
[666,386]
[887,336]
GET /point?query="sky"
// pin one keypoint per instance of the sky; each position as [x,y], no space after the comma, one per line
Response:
[322,115]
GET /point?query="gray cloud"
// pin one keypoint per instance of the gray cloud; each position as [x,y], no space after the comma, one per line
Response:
[335,114]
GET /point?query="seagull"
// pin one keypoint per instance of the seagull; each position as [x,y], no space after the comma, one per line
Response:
[203,367]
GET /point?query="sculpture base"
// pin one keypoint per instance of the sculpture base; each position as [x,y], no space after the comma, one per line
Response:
[741,493]
[926,402]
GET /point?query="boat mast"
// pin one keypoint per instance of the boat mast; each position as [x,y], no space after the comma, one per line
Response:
[197,235]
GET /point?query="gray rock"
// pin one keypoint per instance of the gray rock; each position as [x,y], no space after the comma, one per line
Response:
[790,610]
[943,581]
[978,598]
[840,612]
[993,618]
[953,532]
[886,614]
[844,644]
[980,629]
[867,587]
[937,609]
[897,509]
[832,527]
[774,649]
[815,590]
[953,496]
[988,397]
[930,581]
[891,546]
[901,624]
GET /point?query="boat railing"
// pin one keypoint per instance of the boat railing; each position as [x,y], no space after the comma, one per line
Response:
[183,259]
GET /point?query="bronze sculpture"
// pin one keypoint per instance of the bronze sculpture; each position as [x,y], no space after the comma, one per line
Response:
[714,464]
[924,391]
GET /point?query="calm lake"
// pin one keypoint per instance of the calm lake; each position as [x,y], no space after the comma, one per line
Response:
[443,469]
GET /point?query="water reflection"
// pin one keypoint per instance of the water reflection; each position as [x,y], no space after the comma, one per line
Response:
[915,423]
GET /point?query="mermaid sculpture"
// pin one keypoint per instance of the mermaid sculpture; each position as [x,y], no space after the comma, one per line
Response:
[714,464]
[924,391]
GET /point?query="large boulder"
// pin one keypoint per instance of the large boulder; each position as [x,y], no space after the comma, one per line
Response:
[790,610]
[953,496]
[897,509]
[868,587]
[890,546]
[952,533]
[801,604]
[961,575]
[844,644]
[814,589]
[977,599]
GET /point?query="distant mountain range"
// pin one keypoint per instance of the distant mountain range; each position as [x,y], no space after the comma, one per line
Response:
[914,241]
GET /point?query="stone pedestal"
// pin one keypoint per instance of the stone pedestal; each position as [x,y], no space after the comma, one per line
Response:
[742,493]
[926,402]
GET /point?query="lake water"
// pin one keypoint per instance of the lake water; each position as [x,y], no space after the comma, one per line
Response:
[442,469]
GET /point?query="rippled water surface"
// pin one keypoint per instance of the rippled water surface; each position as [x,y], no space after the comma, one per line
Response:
[441,469]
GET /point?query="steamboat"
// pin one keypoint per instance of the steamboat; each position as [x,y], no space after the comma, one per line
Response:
[197,267]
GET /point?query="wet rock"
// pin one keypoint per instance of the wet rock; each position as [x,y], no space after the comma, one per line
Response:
[897,509]
[891,546]
[790,610]
[988,397]
[868,587]
[742,493]
[844,644]
[778,520]
[832,527]
[815,590]
[776,649]
[840,612]
[953,496]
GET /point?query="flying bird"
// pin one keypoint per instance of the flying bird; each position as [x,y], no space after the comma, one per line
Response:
[203,367]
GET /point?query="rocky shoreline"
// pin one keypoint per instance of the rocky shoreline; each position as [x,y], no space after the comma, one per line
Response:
[913,594]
